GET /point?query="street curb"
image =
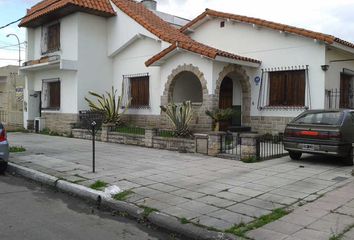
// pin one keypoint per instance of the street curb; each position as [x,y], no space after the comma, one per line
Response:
[159,219]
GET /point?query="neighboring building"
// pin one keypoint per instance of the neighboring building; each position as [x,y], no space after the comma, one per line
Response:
[267,72]
[11,97]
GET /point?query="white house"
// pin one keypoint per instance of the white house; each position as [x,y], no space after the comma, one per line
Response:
[265,71]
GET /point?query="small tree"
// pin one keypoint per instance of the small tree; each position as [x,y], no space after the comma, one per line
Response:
[110,104]
[219,115]
[180,116]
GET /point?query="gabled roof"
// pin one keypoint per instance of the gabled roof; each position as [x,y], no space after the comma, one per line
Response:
[167,33]
[267,24]
[47,10]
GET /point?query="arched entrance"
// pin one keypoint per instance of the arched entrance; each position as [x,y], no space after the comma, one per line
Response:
[187,82]
[234,91]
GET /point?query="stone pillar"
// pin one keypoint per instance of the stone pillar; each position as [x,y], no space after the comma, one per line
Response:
[150,133]
[250,145]
[106,128]
[214,143]
[201,143]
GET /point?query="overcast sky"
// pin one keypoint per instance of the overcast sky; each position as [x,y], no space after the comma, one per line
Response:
[328,16]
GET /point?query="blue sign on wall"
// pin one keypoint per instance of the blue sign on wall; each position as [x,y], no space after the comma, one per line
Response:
[257,80]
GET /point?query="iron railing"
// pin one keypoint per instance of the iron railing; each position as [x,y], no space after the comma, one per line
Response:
[339,99]
[231,144]
[270,146]
[130,130]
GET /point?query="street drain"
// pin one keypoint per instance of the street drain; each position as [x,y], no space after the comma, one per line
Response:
[339,179]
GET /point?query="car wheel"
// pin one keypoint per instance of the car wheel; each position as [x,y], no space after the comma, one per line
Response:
[295,155]
[3,166]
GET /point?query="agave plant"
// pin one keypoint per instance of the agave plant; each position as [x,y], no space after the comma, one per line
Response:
[110,105]
[180,116]
[219,115]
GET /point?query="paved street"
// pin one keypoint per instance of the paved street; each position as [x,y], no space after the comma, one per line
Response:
[31,212]
[210,191]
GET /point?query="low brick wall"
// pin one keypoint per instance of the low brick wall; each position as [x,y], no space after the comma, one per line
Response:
[272,125]
[59,122]
[85,134]
[125,138]
[174,144]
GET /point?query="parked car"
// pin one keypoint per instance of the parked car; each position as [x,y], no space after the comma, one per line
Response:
[327,132]
[4,149]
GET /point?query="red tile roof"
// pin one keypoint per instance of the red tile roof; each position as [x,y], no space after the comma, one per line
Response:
[167,33]
[272,25]
[144,17]
[46,7]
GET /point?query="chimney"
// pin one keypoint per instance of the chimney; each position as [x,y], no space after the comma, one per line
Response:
[149,4]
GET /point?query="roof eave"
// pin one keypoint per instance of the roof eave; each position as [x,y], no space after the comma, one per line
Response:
[238,62]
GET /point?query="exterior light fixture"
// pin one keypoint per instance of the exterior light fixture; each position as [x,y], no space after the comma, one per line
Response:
[325,67]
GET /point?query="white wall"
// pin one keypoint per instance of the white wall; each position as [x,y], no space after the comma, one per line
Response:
[94,66]
[335,68]
[121,29]
[274,49]
[132,61]
[68,39]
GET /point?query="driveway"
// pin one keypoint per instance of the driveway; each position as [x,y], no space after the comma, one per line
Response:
[210,191]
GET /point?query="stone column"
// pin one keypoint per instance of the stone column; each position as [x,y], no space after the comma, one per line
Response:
[106,128]
[201,143]
[214,143]
[150,133]
[250,145]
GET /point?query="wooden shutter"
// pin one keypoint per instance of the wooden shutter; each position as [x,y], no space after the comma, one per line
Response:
[54,91]
[344,90]
[226,93]
[54,37]
[287,88]
[139,91]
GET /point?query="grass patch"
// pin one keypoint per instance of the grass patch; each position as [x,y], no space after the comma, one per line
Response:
[123,195]
[47,131]
[184,220]
[98,185]
[130,130]
[16,149]
[250,159]
[340,236]
[241,229]
[148,211]
[166,133]
[21,130]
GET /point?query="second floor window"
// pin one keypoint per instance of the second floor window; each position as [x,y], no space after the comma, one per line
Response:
[51,38]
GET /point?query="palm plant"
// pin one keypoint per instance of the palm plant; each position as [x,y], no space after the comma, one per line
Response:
[180,116]
[219,115]
[110,105]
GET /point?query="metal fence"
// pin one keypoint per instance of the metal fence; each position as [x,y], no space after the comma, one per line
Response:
[86,117]
[231,144]
[268,146]
[339,99]
[271,146]
[165,133]
[130,130]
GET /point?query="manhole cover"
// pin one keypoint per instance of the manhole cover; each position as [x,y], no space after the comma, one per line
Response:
[339,179]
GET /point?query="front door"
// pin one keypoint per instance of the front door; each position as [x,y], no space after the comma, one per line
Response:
[345,88]
[225,100]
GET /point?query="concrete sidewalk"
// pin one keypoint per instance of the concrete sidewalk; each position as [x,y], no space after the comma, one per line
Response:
[214,192]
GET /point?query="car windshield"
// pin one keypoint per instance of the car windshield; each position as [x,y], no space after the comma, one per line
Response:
[321,118]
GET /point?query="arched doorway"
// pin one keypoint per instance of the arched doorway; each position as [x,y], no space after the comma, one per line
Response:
[187,87]
[234,91]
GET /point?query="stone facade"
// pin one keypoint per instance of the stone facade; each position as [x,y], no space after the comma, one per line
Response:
[200,122]
[272,125]
[59,122]
[246,90]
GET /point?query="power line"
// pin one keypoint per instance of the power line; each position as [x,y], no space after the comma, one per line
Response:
[13,45]
[28,15]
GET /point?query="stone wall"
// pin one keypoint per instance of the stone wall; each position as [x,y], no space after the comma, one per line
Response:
[85,134]
[59,122]
[125,138]
[174,144]
[272,125]
[151,121]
